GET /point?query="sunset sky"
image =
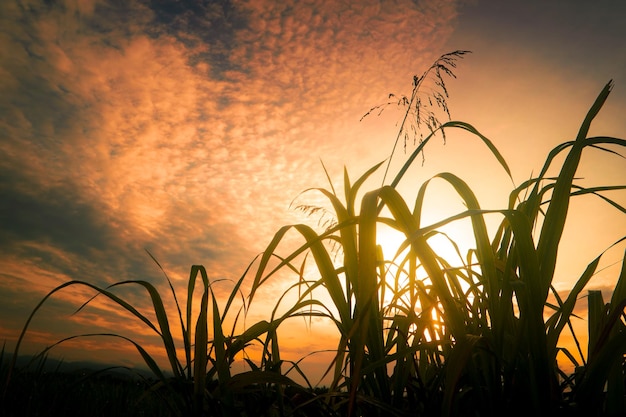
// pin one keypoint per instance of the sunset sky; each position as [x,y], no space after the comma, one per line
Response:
[188,127]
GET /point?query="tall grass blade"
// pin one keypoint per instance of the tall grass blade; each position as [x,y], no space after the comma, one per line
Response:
[556,213]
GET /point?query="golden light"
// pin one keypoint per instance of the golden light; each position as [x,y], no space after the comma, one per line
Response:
[451,244]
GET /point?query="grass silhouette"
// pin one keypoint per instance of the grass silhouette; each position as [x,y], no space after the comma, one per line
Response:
[417,336]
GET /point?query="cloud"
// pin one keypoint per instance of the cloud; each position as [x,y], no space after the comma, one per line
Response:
[185,128]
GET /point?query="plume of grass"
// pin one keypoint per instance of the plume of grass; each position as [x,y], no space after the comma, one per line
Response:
[428,98]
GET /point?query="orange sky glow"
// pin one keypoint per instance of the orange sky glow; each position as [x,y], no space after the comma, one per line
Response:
[189,128]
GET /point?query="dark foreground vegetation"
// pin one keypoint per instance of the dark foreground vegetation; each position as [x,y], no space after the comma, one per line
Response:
[418,334]
[102,393]
[61,393]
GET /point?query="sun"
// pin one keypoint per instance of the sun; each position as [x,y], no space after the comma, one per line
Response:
[451,243]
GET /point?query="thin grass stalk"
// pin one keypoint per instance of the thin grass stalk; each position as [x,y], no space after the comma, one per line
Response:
[367,314]
[201,339]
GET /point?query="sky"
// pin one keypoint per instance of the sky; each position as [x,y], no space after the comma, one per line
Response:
[190,129]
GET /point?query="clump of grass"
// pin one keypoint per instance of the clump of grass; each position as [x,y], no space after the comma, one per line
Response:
[201,380]
[480,339]
[416,335]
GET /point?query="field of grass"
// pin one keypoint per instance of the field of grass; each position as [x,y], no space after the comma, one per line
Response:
[50,389]
[417,335]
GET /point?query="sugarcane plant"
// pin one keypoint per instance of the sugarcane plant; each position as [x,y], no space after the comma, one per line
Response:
[417,334]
